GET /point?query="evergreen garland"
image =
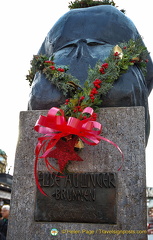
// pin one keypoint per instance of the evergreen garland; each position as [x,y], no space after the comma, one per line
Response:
[100,78]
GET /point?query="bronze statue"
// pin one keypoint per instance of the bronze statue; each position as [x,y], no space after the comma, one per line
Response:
[80,38]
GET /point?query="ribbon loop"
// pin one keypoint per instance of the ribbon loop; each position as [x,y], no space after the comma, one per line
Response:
[88,110]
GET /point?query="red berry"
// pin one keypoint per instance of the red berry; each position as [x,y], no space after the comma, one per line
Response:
[102,70]
[47,61]
[82,98]
[84,117]
[52,67]
[60,69]
[105,65]
[94,91]
[116,54]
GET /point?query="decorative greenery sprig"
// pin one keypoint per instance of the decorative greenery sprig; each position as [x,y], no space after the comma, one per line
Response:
[100,78]
[57,75]
[91,3]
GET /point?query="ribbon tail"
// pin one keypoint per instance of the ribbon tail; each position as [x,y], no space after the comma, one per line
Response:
[36,175]
[51,144]
[94,140]
[49,148]
[39,147]
[48,165]
[56,170]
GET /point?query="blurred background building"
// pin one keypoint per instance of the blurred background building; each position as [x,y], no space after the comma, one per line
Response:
[5,180]
[149,195]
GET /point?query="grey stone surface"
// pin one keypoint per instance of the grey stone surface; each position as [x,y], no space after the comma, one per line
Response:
[124,126]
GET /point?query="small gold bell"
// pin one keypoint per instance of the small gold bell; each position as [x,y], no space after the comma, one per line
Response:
[79,144]
[119,50]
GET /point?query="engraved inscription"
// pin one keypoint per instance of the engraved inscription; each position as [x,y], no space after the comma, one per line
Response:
[74,197]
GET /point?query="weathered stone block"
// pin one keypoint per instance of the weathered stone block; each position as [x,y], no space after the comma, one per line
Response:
[125,127]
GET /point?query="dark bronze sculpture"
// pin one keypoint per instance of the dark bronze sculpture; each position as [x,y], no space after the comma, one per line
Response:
[82,37]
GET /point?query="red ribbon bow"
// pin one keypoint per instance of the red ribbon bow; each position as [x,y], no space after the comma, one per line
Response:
[56,126]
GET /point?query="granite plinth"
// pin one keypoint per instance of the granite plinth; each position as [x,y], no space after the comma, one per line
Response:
[125,127]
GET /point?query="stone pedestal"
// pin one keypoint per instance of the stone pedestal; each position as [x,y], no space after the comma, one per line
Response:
[125,127]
